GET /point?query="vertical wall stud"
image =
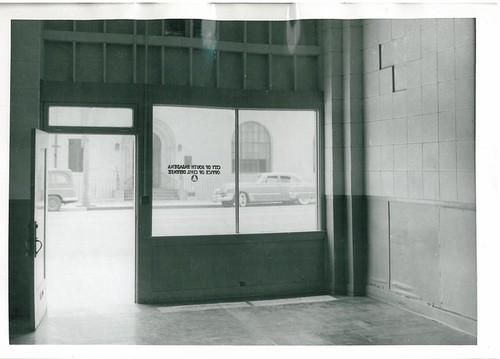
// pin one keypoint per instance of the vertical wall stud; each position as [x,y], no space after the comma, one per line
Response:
[216,58]
[295,73]
[270,57]
[244,55]
[104,54]
[163,32]
[237,170]
[191,54]
[74,53]
[134,50]
[146,57]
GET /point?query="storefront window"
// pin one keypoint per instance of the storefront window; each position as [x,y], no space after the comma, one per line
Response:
[284,197]
[190,161]
[200,188]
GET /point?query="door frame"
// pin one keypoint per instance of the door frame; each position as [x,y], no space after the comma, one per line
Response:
[89,99]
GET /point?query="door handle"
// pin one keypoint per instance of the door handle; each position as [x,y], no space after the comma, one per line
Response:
[37,242]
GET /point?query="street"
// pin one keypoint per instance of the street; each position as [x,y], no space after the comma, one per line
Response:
[220,220]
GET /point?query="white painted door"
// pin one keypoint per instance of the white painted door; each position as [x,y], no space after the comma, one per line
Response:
[37,247]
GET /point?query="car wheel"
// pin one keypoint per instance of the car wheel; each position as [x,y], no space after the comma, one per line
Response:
[54,203]
[243,199]
[227,203]
[305,200]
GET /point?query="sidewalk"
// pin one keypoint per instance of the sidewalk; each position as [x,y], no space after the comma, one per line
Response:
[108,205]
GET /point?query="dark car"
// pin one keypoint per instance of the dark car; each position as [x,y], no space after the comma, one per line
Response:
[268,187]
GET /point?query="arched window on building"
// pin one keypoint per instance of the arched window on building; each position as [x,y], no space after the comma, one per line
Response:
[255,148]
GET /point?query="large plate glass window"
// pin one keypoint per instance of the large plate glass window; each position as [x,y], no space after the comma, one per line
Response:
[277,181]
[191,158]
[219,171]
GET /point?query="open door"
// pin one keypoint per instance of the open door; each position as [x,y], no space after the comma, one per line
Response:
[36,245]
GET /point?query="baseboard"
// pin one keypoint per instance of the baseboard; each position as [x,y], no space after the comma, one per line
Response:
[453,320]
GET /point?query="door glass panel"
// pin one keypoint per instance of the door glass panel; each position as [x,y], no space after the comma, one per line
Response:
[90,116]
[191,163]
[278,192]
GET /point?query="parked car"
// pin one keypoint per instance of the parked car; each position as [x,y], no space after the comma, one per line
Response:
[268,187]
[61,188]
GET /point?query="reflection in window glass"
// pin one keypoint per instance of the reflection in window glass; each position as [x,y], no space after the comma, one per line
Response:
[282,198]
[255,148]
[90,116]
[191,159]
[194,171]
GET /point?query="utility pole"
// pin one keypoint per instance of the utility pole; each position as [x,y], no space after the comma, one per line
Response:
[85,199]
[56,146]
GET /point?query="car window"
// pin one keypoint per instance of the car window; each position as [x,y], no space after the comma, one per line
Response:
[272,179]
[255,179]
[59,179]
[286,179]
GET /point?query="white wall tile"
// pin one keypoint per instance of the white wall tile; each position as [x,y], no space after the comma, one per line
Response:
[445,34]
[430,156]
[448,186]
[464,32]
[447,128]
[430,128]
[415,154]
[447,156]
[430,99]
[446,96]
[429,69]
[429,41]
[431,185]
[466,187]
[415,129]
[465,156]
[401,184]
[465,124]
[446,65]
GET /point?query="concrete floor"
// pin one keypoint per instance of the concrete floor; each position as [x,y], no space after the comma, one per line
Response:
[319,320]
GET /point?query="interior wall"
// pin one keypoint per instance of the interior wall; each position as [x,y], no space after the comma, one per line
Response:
[419,161]
[24,115]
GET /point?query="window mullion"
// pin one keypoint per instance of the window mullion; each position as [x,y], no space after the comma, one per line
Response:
[237,170]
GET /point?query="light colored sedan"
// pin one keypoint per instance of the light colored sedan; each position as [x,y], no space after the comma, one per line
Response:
[61,188]
[268,187]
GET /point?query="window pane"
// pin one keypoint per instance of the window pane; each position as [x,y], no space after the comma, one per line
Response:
[90,117]
[192,162]
[279,146]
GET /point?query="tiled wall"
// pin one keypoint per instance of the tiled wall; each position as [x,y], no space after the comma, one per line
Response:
[419,109]
[419,79]
[333,90]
